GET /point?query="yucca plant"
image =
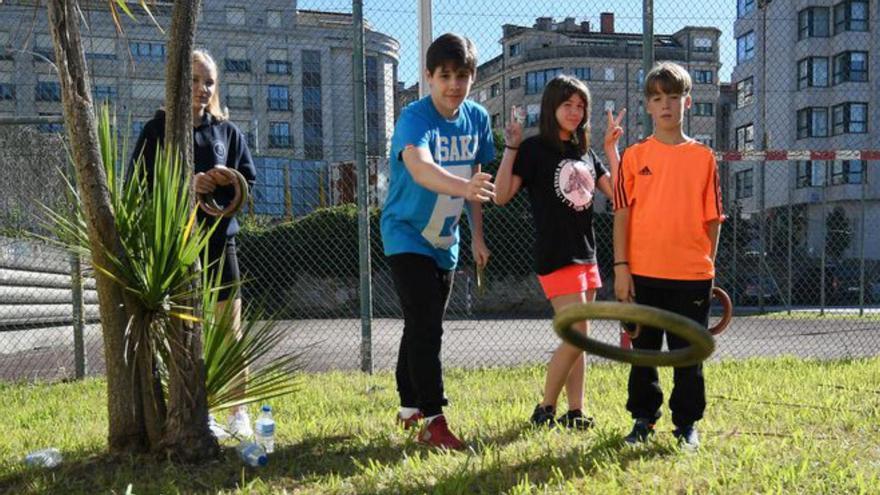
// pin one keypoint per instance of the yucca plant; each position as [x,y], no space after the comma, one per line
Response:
[162,241]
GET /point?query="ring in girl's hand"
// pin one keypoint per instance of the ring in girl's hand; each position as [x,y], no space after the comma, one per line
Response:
[209,204]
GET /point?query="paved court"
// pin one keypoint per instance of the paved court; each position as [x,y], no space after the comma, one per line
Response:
[336,344]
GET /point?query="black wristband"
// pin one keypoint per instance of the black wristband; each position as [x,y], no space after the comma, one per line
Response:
[511,147]
[618,263]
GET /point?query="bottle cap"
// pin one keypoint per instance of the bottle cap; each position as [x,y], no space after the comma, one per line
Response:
[267,408]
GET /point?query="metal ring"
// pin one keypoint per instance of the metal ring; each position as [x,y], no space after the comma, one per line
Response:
[633,330]
[702,342]
[208,203]
[726,311]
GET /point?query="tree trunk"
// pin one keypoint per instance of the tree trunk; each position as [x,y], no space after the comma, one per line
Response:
[126,427]
[187,435]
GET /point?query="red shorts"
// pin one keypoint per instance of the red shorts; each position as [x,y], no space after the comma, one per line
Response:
[571,280]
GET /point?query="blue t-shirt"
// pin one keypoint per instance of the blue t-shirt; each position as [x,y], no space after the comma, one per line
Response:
[416,219]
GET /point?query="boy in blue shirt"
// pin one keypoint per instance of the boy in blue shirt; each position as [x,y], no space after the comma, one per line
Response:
[439,143]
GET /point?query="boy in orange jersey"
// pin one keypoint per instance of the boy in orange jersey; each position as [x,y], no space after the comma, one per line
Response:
[667,220]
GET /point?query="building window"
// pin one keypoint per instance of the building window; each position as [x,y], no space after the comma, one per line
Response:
[705,139]
[495,89]
[704,109]
[703,45]
[849,118]
[744,7]
[813,22]
[532,114]
[812,72]
[515,82]
[496,120]
[582,73]
[273,18]
[53,128]
[102,93]
[313,115]
[278,98]
[610,105]
[276,61]
[609,73]
[7,91]
[536,80]
[43,46]
[375,142]
[513,49]
[703,76]
[235,16]
[851,15]
[147,50]
[745,92]
[744,183]
[745,47]
[48,91]
[100,48]
[279,135]
[745,137]
[812,122]
[847,171]
[810,173]
[851,67]
[237,96]
[236,59]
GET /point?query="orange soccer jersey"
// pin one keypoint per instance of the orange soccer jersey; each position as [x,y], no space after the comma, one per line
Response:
[672,192]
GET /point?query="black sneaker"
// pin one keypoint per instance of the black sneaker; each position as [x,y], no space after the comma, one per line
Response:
[642,430]
[576,420]
[688,438]
[544,416]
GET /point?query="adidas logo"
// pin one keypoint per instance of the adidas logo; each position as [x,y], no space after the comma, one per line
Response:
[645,171]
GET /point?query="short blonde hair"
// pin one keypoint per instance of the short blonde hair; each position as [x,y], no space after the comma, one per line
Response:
[669,78]
[214,108]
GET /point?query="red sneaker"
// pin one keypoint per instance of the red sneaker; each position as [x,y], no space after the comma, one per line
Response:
[410,422]
[437,434]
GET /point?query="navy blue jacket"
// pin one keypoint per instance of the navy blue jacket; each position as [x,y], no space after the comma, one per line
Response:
[214,142]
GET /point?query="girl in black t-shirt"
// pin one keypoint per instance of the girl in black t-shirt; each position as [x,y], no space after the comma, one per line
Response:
[560,174]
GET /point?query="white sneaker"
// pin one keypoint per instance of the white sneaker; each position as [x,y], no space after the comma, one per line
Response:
[240,423]
[218,431]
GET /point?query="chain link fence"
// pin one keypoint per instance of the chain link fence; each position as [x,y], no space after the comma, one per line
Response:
[782,90]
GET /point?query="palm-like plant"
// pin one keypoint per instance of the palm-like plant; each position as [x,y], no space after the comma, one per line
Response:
[162,242]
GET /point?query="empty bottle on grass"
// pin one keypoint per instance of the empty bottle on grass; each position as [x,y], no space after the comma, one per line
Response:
[265,430]
[44,458]
[252,454]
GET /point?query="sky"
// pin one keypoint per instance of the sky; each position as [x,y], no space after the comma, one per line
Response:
[481,20]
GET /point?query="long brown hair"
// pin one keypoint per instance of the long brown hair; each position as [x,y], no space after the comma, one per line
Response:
[214,108]
[556,92]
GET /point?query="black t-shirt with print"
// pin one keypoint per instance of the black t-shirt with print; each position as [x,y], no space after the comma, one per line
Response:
[561,187]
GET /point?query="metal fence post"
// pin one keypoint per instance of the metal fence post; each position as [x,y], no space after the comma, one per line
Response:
[360,153]
[79,320]
[862,241]
[647,54]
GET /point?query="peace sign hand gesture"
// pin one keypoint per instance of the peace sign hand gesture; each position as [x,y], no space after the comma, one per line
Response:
[513,131]
[613,131]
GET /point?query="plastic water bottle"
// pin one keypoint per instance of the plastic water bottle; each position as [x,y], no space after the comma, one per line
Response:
[252,454]
[44,458]
[265,426]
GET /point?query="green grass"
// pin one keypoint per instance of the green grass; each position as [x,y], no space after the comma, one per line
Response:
[772,426]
